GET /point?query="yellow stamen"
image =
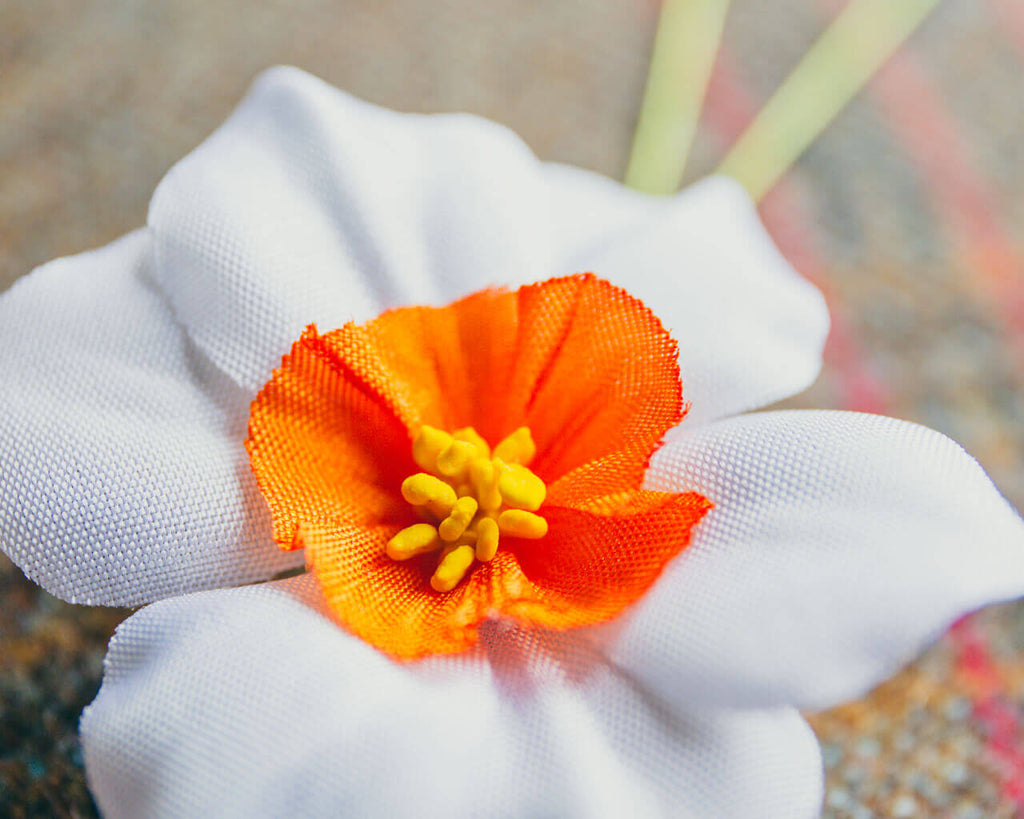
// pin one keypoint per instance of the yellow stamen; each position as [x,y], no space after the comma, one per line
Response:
[520,487]
[430,443]
[487,539]
[517,448]
[458,521]
[474,495]
[422,489]
[471,436]
[413,540]
[485,484]
[452,569]
[454,459]
[519,523]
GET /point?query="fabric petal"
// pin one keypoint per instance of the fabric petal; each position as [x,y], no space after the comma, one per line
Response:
[308,205]
[750,329]
[584,365]
[248,702]
[598,559]
[839,546]
[587,569]
[325,448]
[123,477]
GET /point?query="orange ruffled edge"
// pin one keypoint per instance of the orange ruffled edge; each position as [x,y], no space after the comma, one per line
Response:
[588,368]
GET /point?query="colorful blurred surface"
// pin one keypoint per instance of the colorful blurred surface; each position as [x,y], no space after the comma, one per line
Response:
[908,212]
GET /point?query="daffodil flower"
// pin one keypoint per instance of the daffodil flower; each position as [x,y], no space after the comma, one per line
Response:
[496,406]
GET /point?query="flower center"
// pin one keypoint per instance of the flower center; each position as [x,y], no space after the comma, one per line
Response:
[474,496]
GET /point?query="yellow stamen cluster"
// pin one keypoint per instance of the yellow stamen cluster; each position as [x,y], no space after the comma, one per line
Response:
[474,494]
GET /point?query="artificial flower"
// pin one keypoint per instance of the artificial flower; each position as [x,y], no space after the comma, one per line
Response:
[837,544]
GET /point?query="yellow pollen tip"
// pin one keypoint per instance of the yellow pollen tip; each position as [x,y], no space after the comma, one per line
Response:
[422,489]
[520,488]
[452,569]
[428,444]
[454,459]
[456,523]
[473,496]
[520,523]
[484,478]
[486,539]
[517,448]
[413,540]
[471,436]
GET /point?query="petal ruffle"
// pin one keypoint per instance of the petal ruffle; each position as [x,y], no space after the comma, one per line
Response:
[839,545]
[590,566]
[585,366]
[309,206]
[250,703]
[750,330]
[326,447]
[589,369]
[122,474]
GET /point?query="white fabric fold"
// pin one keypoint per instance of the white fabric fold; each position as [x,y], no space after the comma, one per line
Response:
[250,703]
[750,329]
[839,546]
[308,205]
[123,475]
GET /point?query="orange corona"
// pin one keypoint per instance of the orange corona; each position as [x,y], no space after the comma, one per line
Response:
[370,445]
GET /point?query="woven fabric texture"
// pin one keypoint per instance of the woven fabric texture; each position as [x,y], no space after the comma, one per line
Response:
[841,544]
[588,369]
[250,703]
[200,691]
[749,332]
[308,206]
[122,476]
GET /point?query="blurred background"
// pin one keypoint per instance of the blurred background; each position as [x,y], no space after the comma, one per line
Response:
[908,212]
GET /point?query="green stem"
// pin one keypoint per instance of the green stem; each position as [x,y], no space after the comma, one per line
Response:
[685,46]
[864,35]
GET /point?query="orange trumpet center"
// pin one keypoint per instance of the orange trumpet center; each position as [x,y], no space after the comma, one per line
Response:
[574,383]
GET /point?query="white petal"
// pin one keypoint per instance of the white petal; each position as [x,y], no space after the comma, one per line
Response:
[250,703]
[750,330]
[840,545]
[596,745]
[123,474]
[310,206]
